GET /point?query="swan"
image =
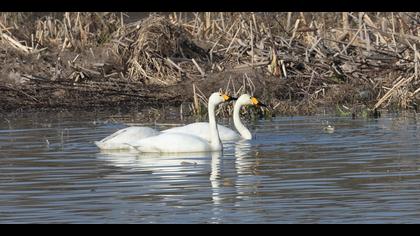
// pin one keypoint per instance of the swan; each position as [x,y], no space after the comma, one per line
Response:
[201,128]
[183,142]
[123,138]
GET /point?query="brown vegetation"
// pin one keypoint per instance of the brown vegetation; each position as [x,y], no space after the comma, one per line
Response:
[296,62]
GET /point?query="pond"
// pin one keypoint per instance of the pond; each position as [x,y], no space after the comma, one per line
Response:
[366,171]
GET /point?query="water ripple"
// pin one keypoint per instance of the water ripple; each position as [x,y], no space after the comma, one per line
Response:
[367,171]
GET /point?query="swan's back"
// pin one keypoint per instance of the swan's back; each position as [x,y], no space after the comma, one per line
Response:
[173,143]
[123,137]
[201,129]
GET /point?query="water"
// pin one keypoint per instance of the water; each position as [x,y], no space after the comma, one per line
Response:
[367,171]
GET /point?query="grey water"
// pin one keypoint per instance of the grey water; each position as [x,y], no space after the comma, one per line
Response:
[366,171]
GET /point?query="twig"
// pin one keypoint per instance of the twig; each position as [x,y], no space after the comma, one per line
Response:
[14,43]
[289,17]
[294,31]
[252,44]
[283,67]
[199,68]
[234,37]
[351,41]
[389,93]
[246,65]
[174,64]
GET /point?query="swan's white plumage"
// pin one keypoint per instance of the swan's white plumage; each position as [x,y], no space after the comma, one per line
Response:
[201,129]
[122,138]
[183,142]
[172,143]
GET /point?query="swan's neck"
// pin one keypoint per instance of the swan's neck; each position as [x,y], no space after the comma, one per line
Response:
[214,132]
[238,123]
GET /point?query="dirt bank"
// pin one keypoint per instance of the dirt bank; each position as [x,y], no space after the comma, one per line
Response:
[298,63]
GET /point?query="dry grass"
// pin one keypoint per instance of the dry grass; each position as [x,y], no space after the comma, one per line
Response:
[315,53]
[317,50]
[156,49]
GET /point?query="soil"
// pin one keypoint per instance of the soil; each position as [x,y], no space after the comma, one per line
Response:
[49,83]
[154,64]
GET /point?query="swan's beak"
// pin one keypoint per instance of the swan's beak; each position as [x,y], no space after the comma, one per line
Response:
[228,98]
[257,103]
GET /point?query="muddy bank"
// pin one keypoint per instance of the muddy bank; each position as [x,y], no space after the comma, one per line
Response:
[298,63]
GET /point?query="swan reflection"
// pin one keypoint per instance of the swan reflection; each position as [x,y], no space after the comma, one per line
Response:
[181,172]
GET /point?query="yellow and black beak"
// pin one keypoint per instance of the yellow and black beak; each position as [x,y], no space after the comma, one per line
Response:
[257,103]
[228,98]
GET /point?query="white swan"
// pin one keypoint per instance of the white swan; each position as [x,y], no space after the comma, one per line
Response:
[184,142]
[201,128]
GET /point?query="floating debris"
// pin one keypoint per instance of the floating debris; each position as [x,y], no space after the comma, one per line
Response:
[329,129]
[186,163]
[228,182]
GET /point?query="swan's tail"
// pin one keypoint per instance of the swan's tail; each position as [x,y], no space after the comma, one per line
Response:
[119,132]
[99,144]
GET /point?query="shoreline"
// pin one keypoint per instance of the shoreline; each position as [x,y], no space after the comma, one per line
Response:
[85,61]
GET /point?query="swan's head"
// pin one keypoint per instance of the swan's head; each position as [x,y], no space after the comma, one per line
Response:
[246,99]
[219,97]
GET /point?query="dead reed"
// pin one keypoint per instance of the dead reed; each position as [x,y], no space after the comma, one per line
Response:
[348,58]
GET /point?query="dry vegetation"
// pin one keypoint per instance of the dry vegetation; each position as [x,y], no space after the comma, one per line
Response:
[297,62]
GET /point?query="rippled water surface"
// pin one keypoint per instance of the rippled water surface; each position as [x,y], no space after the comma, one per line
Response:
[367,171]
